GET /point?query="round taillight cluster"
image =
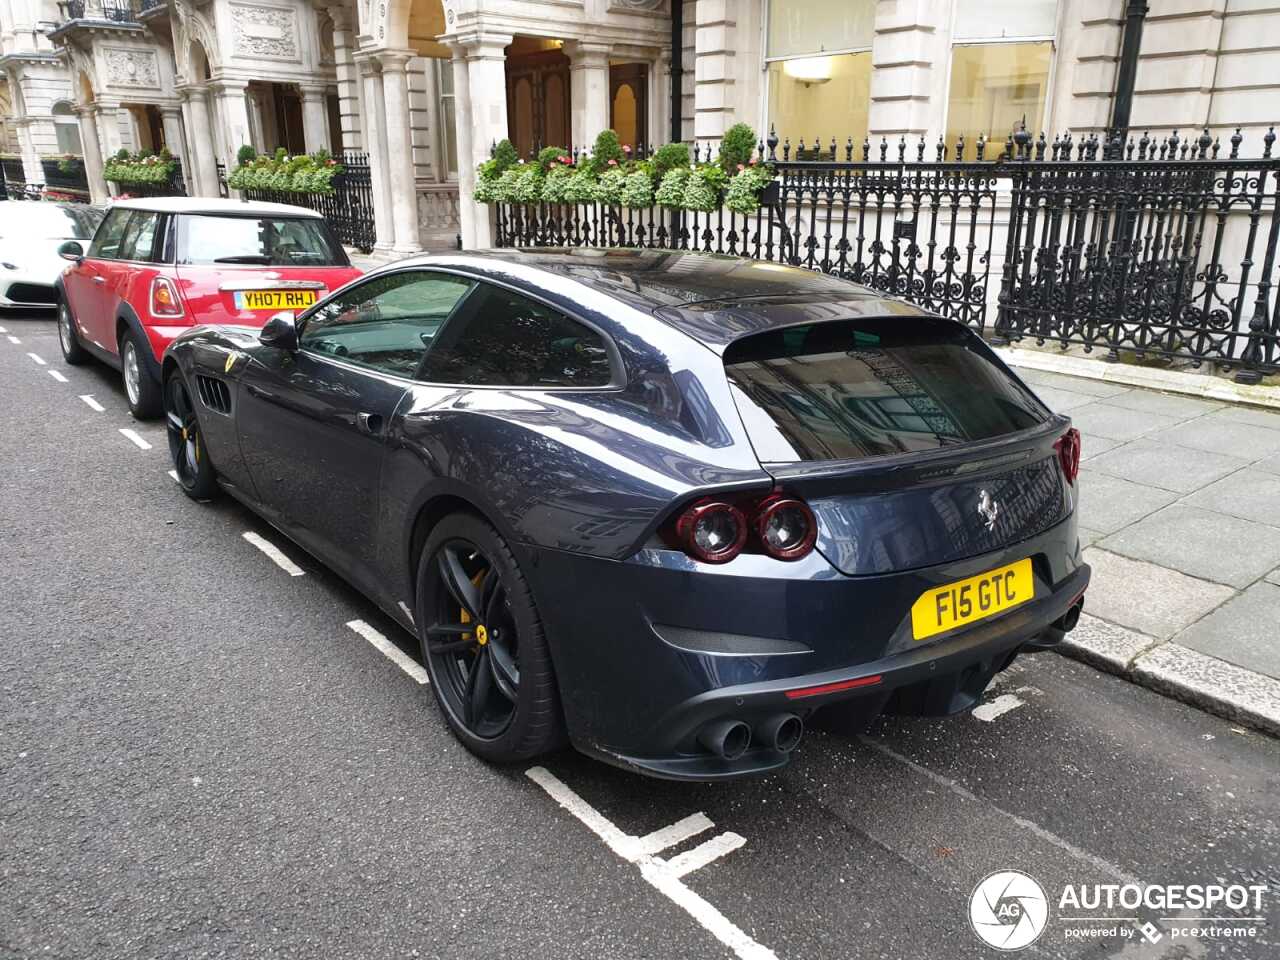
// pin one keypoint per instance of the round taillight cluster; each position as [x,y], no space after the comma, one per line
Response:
[716,531]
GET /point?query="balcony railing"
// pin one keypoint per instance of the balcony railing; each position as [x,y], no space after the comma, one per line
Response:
[115,11]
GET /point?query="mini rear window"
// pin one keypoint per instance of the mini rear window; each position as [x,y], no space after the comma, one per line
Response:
[852,389]
[261,241]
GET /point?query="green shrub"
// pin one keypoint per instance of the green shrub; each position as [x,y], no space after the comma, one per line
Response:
[606,148]
[743,195]
[506,155]
[609,186]
[286,174]
[702,192]
[671,189]
[246,154]
[668,157]
[637,190]
[581,187]
[143,167]
[555,183]
[736,148]
[528,184]
[551,155]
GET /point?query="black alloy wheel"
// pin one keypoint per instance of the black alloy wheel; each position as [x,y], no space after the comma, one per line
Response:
[186,443]
[483,644]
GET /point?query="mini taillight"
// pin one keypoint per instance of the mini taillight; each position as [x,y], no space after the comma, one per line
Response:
[712,531]
[1068,448]
[164,299]
[715,530]
[786,527]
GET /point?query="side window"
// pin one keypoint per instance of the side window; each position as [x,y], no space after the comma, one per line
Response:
[386,323]
[139,236]
[106,242]
[500,338]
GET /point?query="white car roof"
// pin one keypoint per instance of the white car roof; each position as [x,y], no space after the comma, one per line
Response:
[215,206]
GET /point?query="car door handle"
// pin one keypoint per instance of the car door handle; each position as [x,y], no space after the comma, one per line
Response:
[370,423]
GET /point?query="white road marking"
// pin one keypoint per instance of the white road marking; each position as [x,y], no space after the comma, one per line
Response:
[704,853]
[393,653]
[13,339]
[37,358]
[272,551]
[654,871]
[93,404]
[57,376]
[137,440]
[997,707]
[678,832]
[174,475]
[4,329]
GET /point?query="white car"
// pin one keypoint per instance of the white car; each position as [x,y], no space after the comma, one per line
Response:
[30,234]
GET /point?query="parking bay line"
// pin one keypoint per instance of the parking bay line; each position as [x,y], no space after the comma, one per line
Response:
[272,551]
[997,707]
[390,651]
[37,358]
[173,474]
[656,872]
[57,376]
[133,438]
[92,403]
[13,339]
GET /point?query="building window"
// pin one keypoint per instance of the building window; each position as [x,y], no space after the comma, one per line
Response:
[819,68]
[448,124]
[1000,65]
[67,128]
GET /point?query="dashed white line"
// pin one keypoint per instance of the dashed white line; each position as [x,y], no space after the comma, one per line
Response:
[272,551]
[37,358]
[56,375]
[655,872]
[133,437]
[389,650]
[92,403]
[13,339]
[704,853]
[4,329]
[678,832]
[997,707]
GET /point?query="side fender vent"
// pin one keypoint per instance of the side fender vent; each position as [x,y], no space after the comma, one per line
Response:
[214,394]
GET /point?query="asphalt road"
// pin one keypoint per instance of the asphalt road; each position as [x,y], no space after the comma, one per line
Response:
[199,758]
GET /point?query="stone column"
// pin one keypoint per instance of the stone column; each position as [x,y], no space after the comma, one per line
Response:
[98,190]
[204,170]
[235,116]
[659,120]
[908,97]
[468,210]
[588,90]
[257,123]
[487,88]
[31,167]
[399,166]
[109,127]
[375,143]
[315,117]
[171,120]
[348,78]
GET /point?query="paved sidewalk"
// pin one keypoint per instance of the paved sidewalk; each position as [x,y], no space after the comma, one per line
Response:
[1180,517]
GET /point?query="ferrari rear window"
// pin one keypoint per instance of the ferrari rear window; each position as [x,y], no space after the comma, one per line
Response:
[262,241]
[852,389]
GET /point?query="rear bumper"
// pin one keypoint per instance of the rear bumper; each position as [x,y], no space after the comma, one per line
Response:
[637,698]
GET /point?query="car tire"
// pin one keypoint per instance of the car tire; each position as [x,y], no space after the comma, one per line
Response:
[535,725]
[68,339]
[140,388]
[187,447]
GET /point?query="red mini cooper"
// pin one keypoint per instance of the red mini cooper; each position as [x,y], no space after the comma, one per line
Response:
[159,266]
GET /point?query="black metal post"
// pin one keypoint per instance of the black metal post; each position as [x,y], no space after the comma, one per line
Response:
[677,70]
[1135,15]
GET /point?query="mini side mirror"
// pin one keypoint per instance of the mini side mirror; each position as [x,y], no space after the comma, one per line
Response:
[280,332]
[71,250]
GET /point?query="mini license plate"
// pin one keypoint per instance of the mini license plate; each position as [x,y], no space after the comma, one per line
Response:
[945,608]
[274,299]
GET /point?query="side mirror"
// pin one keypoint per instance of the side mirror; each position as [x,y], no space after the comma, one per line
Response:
[280,332]
[71,250]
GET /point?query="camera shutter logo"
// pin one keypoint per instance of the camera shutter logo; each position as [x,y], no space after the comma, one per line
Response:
[1008,910]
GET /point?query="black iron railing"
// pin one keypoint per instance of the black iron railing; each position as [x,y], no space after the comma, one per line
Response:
[15,179]
[349,209]
[1169,250]
[120,11]
[66,177]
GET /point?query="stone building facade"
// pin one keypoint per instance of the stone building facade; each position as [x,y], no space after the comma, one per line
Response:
[424,87]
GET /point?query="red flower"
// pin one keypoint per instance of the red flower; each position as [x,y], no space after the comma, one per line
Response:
[613,163]
[626,148]
[741,167]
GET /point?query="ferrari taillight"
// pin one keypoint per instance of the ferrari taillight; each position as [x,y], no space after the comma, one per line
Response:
[1068,449]
[165,301]
[716,530]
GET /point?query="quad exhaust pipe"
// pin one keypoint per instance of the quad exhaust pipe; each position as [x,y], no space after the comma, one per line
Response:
[730,739]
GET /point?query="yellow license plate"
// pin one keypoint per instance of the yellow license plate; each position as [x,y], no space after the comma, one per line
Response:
[274,299]
[945,608]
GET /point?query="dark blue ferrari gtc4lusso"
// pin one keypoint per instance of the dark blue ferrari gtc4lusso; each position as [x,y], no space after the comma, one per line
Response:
[668,506]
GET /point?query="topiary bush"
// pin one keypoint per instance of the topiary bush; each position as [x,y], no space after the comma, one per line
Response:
[637,190]
[736,148]
[606,148]
[743,194]
[246,154]
[581,187]
[556,183]
[671,190]
[548,156]
[668,157]
[609,186]
[702,191]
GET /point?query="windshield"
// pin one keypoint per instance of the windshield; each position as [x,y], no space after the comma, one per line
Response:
[872,387]
[264,241]
[49,221]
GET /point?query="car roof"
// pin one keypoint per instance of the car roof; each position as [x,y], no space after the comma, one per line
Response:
[713,298]
[215,206]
